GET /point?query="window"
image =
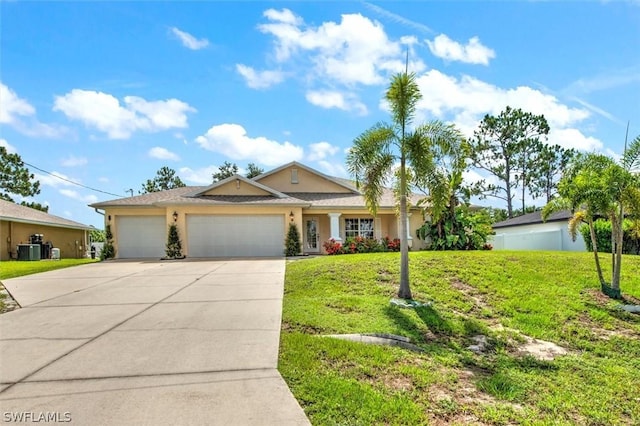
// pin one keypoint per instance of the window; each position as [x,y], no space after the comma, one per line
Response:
[358,227]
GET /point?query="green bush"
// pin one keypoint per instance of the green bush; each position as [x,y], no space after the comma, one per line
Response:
[174,246]
[602,227]
[108,251]
[292,243]
[462,230]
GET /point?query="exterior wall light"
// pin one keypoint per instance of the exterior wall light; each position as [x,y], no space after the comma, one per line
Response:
[291,216]
[175,216]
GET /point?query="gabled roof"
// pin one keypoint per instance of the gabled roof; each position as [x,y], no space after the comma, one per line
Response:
[241,178]
[16,213]
[533,218]
[340,182]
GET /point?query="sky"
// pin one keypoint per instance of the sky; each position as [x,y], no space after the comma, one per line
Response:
[97,96]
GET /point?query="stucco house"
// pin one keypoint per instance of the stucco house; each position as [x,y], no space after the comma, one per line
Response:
[250,217]
[529,232]
[18,223]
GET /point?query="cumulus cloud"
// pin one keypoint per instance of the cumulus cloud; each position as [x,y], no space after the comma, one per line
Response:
[10,148]
[333,168]
[105,113]
[89,199]
[321,150]
[333,99]
[14,110]
[474,52]
[73,161]
[259,79]
[232,141]
[202,176]
[163,154]
[466,100]
[189,41]
[55,179]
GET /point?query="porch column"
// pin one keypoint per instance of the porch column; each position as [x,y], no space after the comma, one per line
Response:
[334,219]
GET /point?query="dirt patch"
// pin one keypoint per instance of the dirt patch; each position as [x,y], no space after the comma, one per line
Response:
[540,349]
[7,304]
[398,383]
[472,293]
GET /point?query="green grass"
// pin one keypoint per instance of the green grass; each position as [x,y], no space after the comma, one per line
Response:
[545,295]
[13,269]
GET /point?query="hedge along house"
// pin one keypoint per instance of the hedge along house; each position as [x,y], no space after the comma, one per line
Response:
[18,223]
[529,232]
[240,217]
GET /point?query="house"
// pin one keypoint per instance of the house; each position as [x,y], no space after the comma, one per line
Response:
[250,217]
[529,232]
[18,223]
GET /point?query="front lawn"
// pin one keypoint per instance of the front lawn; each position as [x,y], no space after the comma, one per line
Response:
[506,296]
[14,268]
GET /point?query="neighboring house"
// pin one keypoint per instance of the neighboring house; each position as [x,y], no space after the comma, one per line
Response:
[18,223]
[529,232]
[250,217]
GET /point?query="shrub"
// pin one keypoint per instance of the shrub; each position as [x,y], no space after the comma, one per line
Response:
[602,227]
[292,243]
[359,244]
[108,251]
[460,230]
[174,246]
[333,247]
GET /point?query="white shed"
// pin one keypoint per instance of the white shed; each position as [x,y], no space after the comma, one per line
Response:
[529,232]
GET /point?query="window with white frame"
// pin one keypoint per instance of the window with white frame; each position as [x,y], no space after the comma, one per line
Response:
[358,227]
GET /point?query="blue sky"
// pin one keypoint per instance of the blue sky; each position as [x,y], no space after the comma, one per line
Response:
[106,93]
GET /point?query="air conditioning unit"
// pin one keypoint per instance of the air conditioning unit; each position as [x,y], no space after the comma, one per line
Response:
[55,253]
[28,251]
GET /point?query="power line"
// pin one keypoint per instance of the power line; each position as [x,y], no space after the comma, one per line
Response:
[70,181]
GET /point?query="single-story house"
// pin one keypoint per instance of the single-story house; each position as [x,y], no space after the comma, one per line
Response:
[18,223]
[250,217]
[529,232]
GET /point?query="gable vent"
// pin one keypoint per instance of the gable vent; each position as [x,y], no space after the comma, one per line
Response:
[294,175]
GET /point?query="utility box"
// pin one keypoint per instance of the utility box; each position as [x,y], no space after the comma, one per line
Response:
[55,253]
[28,251]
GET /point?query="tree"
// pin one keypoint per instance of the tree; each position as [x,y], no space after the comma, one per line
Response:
[166,178]
[15,178]
[34,205]
[292,243]
[595,185]
[108,250]
[253,171]
[498,147]
[552,161]
[375,152]
[174,246]
[224,171]
[97,235]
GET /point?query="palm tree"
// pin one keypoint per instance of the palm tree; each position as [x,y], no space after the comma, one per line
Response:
[595,185]
[376,152]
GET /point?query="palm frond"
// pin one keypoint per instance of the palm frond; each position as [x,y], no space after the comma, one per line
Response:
[576,220]
[403,95]
[556,205]
[631,156]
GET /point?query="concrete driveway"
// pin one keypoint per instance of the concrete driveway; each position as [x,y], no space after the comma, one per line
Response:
[147,343]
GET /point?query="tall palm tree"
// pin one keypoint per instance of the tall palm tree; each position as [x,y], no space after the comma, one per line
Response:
[376,152]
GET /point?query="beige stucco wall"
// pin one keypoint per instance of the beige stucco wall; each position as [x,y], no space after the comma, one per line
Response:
[71,242]
[307,182]
[237,188]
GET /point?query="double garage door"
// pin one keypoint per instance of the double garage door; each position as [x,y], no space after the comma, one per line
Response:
[208,236]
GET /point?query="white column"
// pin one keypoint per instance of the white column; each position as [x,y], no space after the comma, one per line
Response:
[409,237]
[334,219]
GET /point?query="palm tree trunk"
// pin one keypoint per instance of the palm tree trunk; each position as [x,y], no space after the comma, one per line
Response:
[594,244]
[405,291]
[617,264]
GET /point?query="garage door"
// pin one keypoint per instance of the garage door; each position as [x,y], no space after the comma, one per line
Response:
[141,236]
[223,236]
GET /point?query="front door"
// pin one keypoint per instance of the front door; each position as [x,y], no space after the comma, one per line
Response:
[311,236]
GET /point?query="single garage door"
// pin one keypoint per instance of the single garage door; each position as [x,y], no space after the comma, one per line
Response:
[223,236]
[141,236]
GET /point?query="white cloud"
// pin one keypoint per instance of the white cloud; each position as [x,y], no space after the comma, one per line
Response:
[201,176]
[103,179]
[10,148]
[355,51]
[466,100]
[163,154]
[189,41]
[55,179]
[399,19]
[73,161]
[77,196]
[474,52]
[259,79]
[321,150]
[333,99]
[104,112]
[232,141]
[12,106]
[333,168]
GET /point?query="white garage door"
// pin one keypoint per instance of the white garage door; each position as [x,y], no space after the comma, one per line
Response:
[141,236]
[222,236]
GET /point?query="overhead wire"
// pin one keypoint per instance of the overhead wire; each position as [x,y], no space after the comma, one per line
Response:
[71,181]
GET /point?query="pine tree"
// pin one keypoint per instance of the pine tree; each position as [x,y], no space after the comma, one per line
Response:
[174,246]
[293,241]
